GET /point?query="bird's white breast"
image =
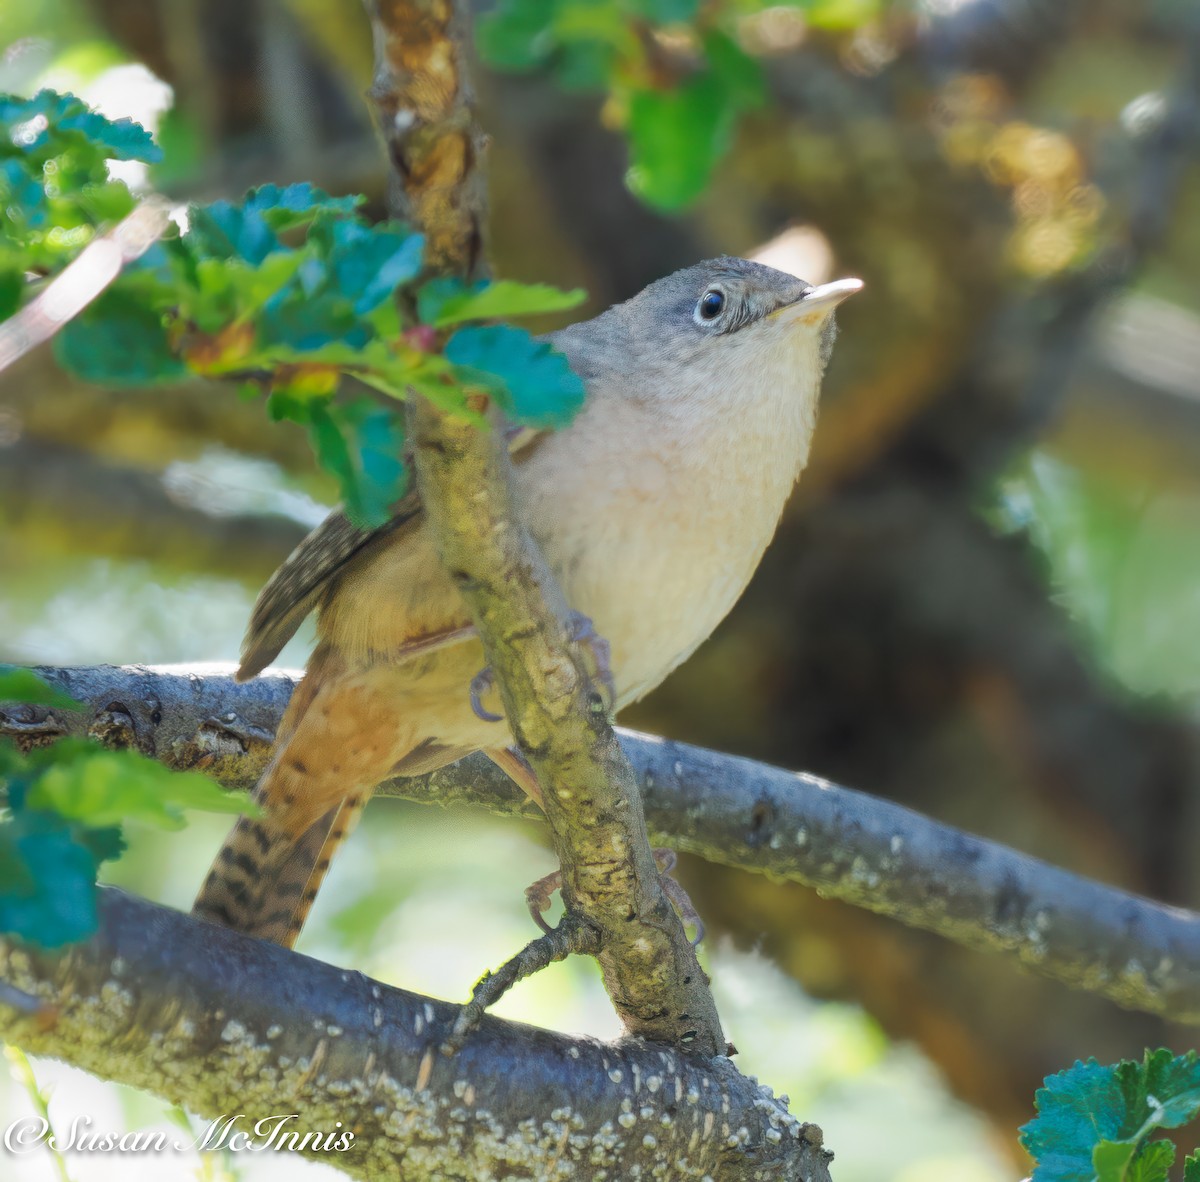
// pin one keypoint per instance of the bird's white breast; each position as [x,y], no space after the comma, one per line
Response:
[655,516]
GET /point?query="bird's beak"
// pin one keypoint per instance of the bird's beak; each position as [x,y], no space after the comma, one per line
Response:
[816,303]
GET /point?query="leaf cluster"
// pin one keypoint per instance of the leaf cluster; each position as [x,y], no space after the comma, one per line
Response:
[54,184]
[287,292]
[1097,1123]
[675,71]
[66,807]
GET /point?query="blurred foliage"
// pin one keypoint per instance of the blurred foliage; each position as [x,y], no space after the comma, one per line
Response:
[1097,1124]
[675,72]
[288,292]
[54,184]
[1123,560]
[65,806]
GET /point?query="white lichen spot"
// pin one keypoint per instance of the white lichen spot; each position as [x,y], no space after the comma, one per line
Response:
[334,1031]
[616,1075]
[654,1082]
[627,1120]
[274,1030]
[646,1112]
[801,838]
[897,843]
[649,1141]
[233,1032]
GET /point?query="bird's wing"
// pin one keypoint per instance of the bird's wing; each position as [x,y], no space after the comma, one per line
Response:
[297,586]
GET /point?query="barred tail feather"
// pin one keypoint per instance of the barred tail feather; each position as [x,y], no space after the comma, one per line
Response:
[264,880]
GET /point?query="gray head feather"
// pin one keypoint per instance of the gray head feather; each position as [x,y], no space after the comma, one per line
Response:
[678,317]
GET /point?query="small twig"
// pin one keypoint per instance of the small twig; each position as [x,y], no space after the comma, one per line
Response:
[95,268]
[573,935]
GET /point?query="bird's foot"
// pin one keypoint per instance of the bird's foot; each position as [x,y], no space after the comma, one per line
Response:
[680,899]
[599,655]
[581,632]
[538,895]
[482,683]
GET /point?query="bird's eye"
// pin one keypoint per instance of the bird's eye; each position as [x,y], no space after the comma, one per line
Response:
[711,303]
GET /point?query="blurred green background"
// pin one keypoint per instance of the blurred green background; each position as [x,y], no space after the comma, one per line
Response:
[984,600]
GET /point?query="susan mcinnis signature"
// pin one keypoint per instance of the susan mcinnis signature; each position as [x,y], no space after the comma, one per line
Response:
[236,1132]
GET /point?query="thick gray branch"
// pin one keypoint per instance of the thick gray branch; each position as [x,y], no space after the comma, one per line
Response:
[850,846]
[225,1024]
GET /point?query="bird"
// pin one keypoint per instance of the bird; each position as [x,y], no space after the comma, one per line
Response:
[653,507]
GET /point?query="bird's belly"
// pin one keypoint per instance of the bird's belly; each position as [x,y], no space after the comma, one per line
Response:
[656,592]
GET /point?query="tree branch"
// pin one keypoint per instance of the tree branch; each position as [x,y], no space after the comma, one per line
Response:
[795,827]
[556,715]
[224,1024]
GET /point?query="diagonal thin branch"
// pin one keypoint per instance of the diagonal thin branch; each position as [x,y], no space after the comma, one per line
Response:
[799,828]
[225,1024]
[98,264]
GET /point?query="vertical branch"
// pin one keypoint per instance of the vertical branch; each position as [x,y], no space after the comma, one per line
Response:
[422,92]
[556,714]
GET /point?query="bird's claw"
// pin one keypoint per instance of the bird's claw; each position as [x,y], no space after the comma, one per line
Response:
[680,900]
[538,894]
[583,632]
[481,684]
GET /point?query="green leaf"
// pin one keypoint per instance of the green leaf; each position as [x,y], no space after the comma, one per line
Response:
[12,289]
[35,124]
[1110,1160]
[297,205]
[1153,1164]
[504,298]
[840,15]
[676,138]
[1191,1168]
[103,788]
[1095,1121]
[23,685]
[739,74]
[666,12]
[221,230]
[516,35]
[361,444]
[538,385]
[119,340]
[48,895]
[370,262]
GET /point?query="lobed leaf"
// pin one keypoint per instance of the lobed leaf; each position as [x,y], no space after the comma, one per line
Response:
[536,384]
[503,298]
[1094,1122]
